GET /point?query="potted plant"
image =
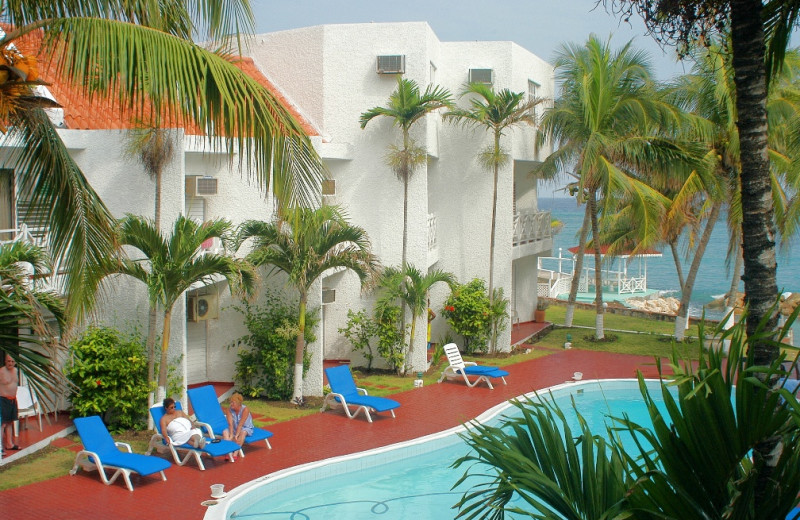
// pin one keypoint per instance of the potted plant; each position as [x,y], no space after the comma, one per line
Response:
[539,313]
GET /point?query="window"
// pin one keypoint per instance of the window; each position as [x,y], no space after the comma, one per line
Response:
[533,92]
[484,76]
[328,187]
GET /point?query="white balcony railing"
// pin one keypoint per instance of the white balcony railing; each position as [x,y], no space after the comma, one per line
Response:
[431,231]
[530,226]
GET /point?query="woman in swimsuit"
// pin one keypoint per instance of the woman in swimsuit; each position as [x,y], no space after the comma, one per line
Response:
[240,422]
[178,426]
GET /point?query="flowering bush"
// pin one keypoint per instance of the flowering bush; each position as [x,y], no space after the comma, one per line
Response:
[469,314]
[108,371]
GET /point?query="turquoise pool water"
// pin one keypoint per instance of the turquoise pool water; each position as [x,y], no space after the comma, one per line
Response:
[411,480]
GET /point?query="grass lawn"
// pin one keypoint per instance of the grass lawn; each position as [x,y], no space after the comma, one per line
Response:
[652,340]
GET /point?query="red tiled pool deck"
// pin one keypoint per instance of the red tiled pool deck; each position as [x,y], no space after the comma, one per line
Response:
[423,411]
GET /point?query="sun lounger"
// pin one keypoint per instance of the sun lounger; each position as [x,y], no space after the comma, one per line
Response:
[218,448]
[459,368]
[100,452]
[345,394]
[207,409]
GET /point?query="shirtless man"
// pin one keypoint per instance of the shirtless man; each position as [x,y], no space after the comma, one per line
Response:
[8,401]
[177,426]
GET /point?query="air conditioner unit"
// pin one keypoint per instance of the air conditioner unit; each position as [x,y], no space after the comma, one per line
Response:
[202,307]
[484,76]
[328,296]
[392,64]
[205,186]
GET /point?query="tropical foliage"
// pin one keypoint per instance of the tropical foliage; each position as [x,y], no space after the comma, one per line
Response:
[471,314]
[141,54]
[304,243]
[108,372]
[24,330]
[607,127]
[264,366]
[171,264]
[407,106]
[695,460]
[408,285]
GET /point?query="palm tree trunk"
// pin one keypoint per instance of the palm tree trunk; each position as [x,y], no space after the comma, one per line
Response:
[410,356]
[162,368]
[576,272]
[758,230]
[676,257]
[300,348]
[598,271]
[152,324]
[491,239]
[686,292]
[736,277]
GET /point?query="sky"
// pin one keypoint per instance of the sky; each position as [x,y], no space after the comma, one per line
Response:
[540,26]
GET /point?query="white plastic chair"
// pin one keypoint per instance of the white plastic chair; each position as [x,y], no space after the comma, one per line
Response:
[28,406]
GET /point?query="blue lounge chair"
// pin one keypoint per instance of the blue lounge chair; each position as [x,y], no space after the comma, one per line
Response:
[208,410]
[218,448]
[345,394]
[100,452]
[459,368]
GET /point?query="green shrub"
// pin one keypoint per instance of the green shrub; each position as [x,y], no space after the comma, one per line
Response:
[108,371]
[391,336]
[469,314]
[359,331]
[266,369]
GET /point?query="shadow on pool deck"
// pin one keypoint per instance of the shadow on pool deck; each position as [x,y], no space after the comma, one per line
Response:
[423,411]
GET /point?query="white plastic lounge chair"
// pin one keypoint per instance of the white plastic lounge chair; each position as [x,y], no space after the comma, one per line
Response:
[218,448]
[460,368]
[345,394]
[100,452]
[207,409]
[28,406]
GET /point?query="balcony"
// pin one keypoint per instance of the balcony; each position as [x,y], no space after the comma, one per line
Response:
[433,248]
[532,233]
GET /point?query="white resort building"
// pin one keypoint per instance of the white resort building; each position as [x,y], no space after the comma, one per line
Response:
[328,75]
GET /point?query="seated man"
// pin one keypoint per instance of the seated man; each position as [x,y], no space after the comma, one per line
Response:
[178,426]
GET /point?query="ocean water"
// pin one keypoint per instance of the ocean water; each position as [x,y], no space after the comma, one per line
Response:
[714,278]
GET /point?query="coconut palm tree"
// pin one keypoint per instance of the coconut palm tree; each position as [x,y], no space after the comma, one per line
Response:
[605,128]
[410,286]
[497,113]
[171,264]
[142,55]
[303,244]
[24,332]
[407,106]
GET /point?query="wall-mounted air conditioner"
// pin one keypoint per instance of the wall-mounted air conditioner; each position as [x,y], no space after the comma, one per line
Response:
[484,76]
[205,186]
[201,307]
[391,64]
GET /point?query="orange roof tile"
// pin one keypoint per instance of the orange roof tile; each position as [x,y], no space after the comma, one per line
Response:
[83,113]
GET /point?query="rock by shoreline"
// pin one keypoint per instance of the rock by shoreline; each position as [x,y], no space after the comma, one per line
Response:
[668,305]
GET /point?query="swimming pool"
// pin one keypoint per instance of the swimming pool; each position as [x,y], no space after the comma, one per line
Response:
[410,479]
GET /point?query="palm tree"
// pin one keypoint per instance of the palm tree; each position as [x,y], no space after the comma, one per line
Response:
[304,243]
[172,264]
[406,106]
[605,130]
[154,147]
[410,286]
[141,54]
[496,112]
[24,332]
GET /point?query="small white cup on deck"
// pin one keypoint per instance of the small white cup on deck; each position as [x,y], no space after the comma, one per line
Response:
[217,490]
[577,376]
